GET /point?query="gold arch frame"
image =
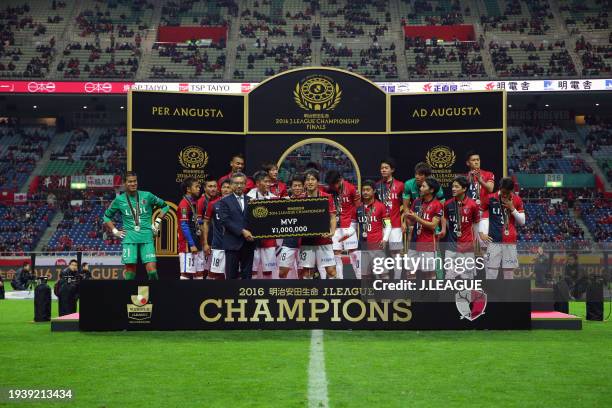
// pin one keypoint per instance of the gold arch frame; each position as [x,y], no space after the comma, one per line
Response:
[170,222]
[328,142]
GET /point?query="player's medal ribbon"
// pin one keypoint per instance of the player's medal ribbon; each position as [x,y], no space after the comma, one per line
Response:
[135,215]
[475,187]
[368,220]
[194,215]
[506,221]
[458,205]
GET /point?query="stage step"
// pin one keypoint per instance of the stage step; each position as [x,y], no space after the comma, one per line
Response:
[555,321]
[543,299]
[65,323]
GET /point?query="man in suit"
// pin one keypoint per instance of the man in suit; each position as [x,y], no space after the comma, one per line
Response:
[238,242]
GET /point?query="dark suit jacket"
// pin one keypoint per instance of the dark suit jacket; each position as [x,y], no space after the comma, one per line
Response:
[233,220]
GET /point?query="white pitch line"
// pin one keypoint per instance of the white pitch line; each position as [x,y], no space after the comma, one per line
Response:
[317,378]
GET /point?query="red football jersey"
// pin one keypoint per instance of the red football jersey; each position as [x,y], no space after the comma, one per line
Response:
[279,189]
[348,198]
[390,194]
[186,213]
[332,210]
[502,226]
[425,237]
[202,206]
[460,235]
[249,182]
[477,191]
[371,224]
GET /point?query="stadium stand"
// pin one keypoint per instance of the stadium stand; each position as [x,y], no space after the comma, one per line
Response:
[81,228]
[198,12]
[88,151]
[262,59]
[439,12]
[21,226]
[594,58]
[190,62]
[551,223]
[20,149]
[585,16]
[544,149]
[375,62]
[598,141]
[28,36]
[433,59]
[597,215]
[106,40]
[530,17]
[528,59]
[115,39]
[356,19]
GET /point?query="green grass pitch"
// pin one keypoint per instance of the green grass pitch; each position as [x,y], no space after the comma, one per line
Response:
[270,368]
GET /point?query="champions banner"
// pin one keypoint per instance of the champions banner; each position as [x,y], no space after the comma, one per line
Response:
[291,304]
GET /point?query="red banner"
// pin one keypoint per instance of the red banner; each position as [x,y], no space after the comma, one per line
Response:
[172,34]
[55,182]
[53,87]
[462,32]
[6,197]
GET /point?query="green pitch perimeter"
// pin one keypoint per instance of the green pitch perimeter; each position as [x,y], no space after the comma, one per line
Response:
[271,368]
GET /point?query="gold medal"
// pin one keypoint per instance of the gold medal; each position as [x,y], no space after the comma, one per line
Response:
[137,228]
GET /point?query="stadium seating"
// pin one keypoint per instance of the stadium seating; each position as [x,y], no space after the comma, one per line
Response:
[189,62]
[526,59]
[88,151]
[443,60]
[255,61]
[597,215]
[438,12]
[594,56]
[375,62]
[544,149]
[21,226]
[529,17]
[105,42]
[82,229]
[198,12]
[585,16]
[549,223]
[28,35]
[116,39]
[358,19]
[20,149]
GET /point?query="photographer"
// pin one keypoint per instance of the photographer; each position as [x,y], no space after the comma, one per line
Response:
[576,280]
[85,274]
[66,288]
[541,268]
[22,277]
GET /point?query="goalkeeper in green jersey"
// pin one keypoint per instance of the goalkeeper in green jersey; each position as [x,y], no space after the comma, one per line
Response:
[136,208]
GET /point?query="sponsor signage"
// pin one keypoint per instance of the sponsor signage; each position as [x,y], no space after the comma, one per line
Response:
[107,87]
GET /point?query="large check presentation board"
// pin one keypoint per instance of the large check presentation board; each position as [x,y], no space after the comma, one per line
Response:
[304,217]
